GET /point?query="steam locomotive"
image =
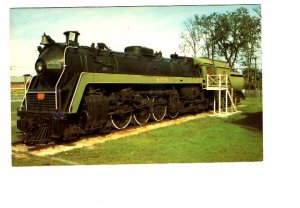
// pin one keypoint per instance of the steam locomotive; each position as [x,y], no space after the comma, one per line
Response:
[80,90]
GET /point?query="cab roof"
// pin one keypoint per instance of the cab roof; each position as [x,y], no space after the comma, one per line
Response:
[207,61]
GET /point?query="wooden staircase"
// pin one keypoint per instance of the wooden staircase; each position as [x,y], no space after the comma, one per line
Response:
[220,84]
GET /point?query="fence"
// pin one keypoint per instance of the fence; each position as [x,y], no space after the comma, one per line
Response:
[17,89]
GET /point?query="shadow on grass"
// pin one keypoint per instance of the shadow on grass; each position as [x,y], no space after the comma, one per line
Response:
[251,120]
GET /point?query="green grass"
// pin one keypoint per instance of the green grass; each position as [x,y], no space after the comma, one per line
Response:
[202,140]
[36,161]
[211,139]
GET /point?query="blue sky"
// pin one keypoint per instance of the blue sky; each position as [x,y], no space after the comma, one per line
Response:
[157,27]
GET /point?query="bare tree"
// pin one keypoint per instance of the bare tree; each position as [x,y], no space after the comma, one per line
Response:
[191,38]
[206,27]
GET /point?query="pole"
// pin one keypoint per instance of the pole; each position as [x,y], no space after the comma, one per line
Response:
[25,82]
[249,76]
[232,98]
[214,102]
[220,93]
[226,91]
[219,101]
[255,73]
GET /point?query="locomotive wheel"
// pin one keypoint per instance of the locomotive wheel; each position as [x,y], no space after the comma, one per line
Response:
[173,110]
[173,114]
[121,121]
[159,111]
[142,116]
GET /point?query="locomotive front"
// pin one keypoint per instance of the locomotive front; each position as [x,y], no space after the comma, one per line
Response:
[52,58]
[41,113]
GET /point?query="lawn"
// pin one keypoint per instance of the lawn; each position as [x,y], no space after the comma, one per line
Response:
[211,139]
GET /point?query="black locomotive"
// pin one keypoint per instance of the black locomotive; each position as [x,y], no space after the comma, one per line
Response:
[80,90]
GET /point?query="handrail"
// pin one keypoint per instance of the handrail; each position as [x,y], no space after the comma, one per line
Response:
[217,81]
[64,68]
[26,91]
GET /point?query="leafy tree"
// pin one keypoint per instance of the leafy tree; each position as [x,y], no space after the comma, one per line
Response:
[234,32]
[251,51]
[227,35]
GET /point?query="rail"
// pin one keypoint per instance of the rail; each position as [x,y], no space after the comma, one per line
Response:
[26,87]
[216,82]
[64,68]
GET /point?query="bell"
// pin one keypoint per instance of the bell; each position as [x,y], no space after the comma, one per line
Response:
[44,40]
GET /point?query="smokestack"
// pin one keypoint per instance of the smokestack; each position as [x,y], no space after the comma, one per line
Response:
[72,38]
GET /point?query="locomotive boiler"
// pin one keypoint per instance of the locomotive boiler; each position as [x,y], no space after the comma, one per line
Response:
[80,90]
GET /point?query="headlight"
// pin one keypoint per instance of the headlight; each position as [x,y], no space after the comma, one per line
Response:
[40,66]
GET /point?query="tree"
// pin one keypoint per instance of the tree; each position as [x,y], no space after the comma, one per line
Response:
[191,38]
[234,31]
[206,27]
[251,51]
[226,35]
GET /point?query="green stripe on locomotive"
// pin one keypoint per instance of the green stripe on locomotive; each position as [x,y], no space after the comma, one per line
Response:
[106,78]
[207,65]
